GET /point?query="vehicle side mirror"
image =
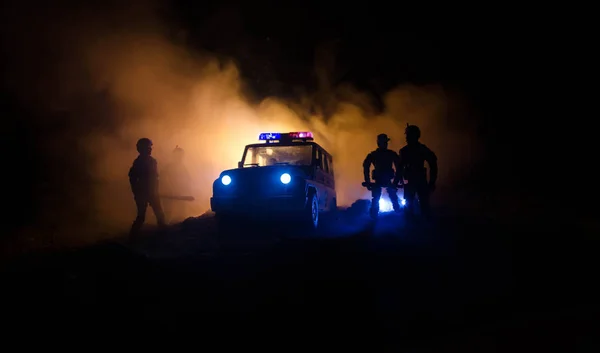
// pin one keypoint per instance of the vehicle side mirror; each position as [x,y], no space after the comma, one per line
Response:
[240,164]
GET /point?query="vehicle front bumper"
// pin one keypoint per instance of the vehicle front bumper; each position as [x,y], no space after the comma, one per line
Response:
[276,204]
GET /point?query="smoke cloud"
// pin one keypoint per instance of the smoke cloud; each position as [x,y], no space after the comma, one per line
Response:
[101,78]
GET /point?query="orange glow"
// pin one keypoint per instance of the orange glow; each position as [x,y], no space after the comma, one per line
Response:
[137,83]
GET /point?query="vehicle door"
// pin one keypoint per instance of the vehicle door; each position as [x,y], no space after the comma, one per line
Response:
[332,191]
[324,179]
[329,179]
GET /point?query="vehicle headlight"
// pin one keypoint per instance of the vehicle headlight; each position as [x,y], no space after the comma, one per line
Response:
[226,180]
[285,178]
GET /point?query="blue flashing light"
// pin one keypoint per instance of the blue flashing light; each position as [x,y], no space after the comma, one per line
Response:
[277,136]
[285,178]
[226,180]
[267,136]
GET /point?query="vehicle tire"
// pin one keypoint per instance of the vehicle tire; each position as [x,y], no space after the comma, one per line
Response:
[312,213]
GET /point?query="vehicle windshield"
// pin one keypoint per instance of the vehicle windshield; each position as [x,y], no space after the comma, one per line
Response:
[262,156]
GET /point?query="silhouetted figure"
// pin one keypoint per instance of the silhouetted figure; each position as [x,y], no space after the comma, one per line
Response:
[176,181]
[387,167]
[412,163]
[143,177]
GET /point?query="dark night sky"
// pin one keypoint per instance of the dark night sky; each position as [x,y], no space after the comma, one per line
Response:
[503,60]
[377,50]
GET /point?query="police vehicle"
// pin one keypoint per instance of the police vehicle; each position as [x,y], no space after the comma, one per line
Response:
[286,175]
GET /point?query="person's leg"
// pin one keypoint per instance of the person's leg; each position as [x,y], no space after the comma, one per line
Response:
[142,205]
[409,198]
[168,210]
[393,194]
[376,195]
[158,211]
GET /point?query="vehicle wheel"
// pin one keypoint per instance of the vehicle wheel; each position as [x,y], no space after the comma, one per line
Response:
[312,213]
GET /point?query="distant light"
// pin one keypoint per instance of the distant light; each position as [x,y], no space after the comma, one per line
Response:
[285,178]
[226,180]
[267,136]
[403,202]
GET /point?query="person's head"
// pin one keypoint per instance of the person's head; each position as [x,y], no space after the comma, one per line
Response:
[144,146]
[382,141]
[178,154]
[413,134]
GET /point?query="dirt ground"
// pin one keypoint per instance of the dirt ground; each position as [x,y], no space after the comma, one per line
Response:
[461,284]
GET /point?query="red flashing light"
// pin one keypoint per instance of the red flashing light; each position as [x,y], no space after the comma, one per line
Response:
[301,135]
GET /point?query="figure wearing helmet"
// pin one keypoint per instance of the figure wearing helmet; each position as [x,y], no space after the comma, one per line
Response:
[386,167]
[412,162]
[143,178]
[176,181]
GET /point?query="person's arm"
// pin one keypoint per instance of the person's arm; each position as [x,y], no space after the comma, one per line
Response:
[398,170]
[367,167]
[431,159]
[133,178]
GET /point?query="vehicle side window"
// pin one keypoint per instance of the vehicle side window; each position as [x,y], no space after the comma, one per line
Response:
[330,162]
[318,157]
[325,162]
[322,157]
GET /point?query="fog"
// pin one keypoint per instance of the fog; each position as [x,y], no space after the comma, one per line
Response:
[104,77]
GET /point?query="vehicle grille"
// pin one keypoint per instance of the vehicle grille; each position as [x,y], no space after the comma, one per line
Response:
[246,188]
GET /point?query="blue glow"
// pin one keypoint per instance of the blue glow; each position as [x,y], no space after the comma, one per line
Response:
[285,178]
[385,205]
[266,136]
[226,180]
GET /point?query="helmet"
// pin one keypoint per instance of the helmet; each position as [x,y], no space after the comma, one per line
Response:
[412,131]
[178,150]
[383,138]
[143,144]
